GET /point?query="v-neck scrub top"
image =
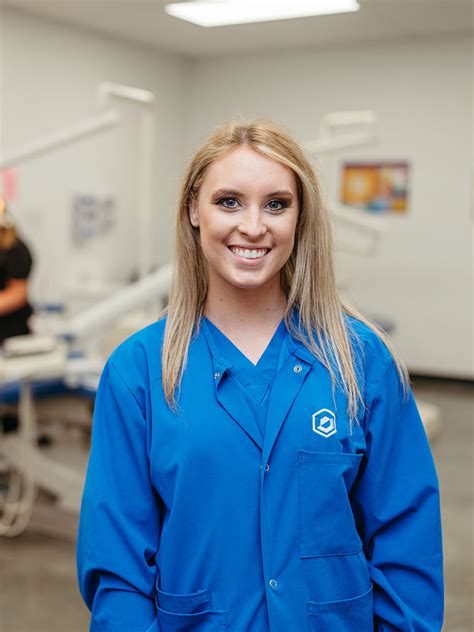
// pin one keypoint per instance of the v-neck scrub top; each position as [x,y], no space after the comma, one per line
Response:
[214,518]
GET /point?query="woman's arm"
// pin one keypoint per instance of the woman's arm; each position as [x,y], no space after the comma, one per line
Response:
[119,522]
[14,296]
[396,505]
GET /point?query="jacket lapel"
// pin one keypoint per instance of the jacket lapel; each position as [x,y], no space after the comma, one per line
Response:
[230,397]
[227,393]
[285,389]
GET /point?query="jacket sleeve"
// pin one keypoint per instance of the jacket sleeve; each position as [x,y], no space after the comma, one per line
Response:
[396,506]
[119,519]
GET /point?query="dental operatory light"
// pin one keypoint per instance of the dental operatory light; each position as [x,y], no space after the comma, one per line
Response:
[226,12]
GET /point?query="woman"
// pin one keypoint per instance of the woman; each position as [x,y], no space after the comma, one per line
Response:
[258,462]
[15,268]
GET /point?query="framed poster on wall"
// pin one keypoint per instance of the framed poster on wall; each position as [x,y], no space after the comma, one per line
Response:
[377,187]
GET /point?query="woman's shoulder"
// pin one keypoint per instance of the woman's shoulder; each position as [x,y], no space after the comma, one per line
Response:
[369,349]
[143,343]
[18,259]
[138,357]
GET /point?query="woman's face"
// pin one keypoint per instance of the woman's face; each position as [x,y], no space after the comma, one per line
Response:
[246,210]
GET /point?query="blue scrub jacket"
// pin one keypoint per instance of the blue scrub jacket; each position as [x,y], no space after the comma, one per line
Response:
[191,522]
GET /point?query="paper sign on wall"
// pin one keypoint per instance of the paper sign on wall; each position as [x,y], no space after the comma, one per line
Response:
[93,216]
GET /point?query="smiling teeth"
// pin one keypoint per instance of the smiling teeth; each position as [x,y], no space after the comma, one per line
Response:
[249,254]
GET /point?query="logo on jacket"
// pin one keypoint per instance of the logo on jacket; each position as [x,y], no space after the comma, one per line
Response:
[324,422]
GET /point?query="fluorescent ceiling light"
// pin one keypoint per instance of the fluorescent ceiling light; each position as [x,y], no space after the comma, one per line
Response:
[225,12]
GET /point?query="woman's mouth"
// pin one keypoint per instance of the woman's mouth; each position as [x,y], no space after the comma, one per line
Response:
[249,253]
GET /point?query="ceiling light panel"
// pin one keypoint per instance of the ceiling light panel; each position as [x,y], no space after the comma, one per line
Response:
[227,12]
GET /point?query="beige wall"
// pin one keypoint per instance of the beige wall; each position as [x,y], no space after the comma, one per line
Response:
[49,79]
[422,92]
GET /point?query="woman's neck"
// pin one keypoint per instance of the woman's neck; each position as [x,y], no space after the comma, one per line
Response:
[236,308]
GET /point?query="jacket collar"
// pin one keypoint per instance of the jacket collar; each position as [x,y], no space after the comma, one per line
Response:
[296,347]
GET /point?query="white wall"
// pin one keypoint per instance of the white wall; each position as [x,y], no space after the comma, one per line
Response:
[421,91]
[49,79]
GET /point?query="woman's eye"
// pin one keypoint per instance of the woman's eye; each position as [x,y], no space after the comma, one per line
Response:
[228,199]
[277,208]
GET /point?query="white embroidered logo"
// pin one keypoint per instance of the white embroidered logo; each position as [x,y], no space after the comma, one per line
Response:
[324,422]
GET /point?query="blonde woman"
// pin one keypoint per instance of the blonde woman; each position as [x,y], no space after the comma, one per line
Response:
[258,462]
[15,268]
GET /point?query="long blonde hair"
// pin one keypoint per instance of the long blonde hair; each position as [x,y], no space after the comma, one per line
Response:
[307,278]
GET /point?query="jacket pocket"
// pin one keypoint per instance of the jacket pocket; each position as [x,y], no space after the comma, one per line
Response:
[325,521]
[189,612]
[348,615]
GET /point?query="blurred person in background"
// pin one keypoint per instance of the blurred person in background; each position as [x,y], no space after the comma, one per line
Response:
[15,268]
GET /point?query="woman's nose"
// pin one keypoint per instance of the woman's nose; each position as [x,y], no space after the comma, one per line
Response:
[252,223]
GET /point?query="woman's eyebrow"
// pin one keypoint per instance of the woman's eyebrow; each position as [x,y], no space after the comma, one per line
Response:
[281,193]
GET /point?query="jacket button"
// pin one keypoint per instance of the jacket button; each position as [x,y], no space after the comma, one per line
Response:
[273,583]
[267,467]
[217,375]
[297,368]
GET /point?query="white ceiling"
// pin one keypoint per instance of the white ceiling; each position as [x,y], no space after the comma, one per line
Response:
[145,22]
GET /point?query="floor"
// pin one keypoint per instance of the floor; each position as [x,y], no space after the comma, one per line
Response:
[38,591]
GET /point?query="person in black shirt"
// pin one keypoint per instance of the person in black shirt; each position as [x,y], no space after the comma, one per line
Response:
[15,268]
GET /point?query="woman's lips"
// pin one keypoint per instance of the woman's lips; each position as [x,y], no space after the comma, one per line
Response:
[246,261]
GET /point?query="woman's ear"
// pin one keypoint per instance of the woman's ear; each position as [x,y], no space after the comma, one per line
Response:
[193,211]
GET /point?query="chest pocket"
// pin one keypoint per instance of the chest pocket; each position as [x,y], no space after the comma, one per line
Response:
[325,521]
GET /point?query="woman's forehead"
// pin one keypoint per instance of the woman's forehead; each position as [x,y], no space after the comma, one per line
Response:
[245,168]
